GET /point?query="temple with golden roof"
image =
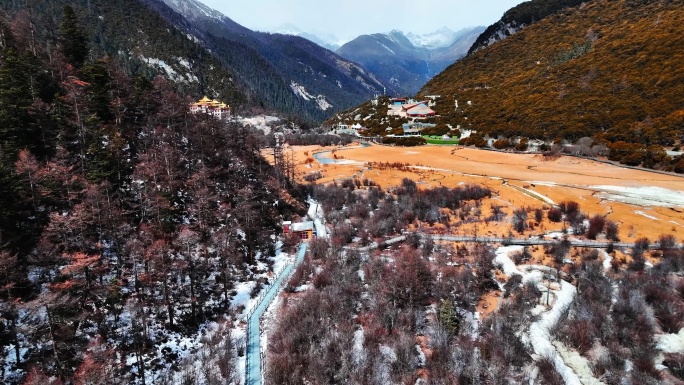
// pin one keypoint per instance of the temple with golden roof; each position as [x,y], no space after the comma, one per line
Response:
[214,108]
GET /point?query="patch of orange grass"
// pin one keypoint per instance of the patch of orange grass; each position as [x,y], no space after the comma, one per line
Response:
[488,303]
[564,178]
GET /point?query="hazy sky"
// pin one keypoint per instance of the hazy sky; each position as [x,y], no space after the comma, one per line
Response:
[347,19]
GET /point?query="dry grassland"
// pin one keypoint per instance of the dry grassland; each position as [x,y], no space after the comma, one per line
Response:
[518,180]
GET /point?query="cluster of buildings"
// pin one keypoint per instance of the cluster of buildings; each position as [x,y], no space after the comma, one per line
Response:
[407,108]
[416,111]
[211,107]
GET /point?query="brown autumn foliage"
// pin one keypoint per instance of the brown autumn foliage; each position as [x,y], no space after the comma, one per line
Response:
[611,70]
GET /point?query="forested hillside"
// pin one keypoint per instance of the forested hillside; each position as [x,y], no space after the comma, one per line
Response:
[609,70]
[455,313]
[518,17]
[282,72]
[138,39]
[125,222]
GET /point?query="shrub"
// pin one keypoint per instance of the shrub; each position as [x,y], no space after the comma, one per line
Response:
[520,220]
[640,246]
[675,362]
[522,145]
[612,230]
[548,372]
[474,139]
[596,224]
[502,144]
[409,141]
[322,279]
[314,176]
[555,214]
[569,208]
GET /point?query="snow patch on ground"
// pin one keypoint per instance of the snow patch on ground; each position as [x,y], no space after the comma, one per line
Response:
[422,360]
[540,196]
[671,343]
[170,72]
[358,353]
[260,122]
[184,62]
[643,214]
[607,259]
[243,296]
[281,259]
[505,262]
[162,64]
[580,365]
[538,337]
[323,104]
[301,91]
[316,214]
[542,183]
[641,196]
[386,47]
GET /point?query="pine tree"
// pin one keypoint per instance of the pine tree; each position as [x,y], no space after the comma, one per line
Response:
[99,89]
[15,101]
[448,317]
[72,38]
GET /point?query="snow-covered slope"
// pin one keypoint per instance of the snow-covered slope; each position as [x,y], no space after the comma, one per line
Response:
[443,37]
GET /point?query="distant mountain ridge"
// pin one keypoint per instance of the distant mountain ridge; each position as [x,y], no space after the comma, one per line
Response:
[206,53]
[399,62]
[328,41]
[287,73]
[443,37]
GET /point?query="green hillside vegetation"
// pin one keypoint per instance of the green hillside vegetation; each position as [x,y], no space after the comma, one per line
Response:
[609,70]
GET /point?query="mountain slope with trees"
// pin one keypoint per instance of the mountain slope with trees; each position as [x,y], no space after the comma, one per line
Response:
[518,17]
[126,222]
[401,64]
[608,70]
[140,40]
[283,72]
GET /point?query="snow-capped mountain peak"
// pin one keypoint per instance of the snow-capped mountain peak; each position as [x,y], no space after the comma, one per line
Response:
[325,40]
[443,37]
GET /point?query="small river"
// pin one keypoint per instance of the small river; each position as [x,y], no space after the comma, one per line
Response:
[323,157]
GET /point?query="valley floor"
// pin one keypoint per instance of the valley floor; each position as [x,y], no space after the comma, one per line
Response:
[645,204]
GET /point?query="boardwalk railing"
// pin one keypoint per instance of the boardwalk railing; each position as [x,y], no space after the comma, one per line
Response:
[541,242]
[254,356]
